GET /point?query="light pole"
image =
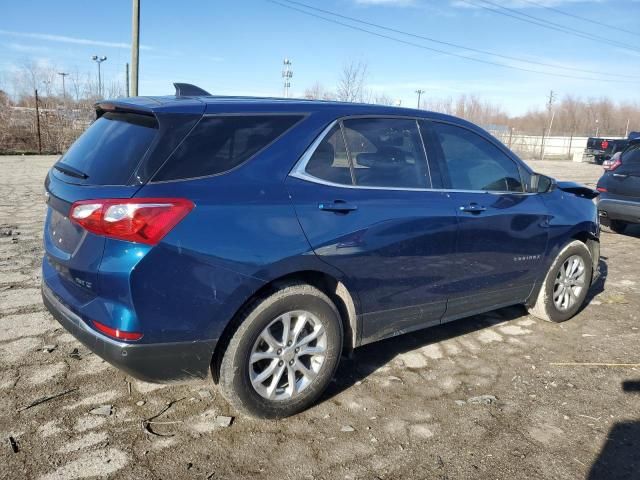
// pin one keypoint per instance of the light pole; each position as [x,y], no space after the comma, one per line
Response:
[419,92]
[47,87]
[287,73]
[99,60]
[64,91]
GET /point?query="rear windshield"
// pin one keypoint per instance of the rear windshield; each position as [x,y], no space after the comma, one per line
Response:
[219,143]
[109,151]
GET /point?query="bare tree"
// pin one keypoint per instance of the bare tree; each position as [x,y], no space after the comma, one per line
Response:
[352,82]
[76,84]
[382,99]
[318,92]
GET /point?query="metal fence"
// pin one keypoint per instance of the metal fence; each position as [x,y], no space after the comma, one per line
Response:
[539,146]
[51,130]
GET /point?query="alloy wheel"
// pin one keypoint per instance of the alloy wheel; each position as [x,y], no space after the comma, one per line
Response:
[569,283]
[287,355]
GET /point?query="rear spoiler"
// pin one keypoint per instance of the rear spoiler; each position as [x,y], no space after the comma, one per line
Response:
[122,107]
[577,189]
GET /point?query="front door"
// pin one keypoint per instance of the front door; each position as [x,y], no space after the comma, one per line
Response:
[502,233]
[363,200]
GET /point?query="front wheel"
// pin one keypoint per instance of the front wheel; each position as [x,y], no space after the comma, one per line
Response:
[284,353]
[617,226]
[566,284]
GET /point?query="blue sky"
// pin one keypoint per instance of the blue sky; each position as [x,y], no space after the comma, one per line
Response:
[237,46]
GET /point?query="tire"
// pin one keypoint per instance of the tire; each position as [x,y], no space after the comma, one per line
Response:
[617,226]
[545,307]
[300,303]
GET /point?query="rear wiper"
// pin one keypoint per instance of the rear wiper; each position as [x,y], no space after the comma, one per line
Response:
[72,172]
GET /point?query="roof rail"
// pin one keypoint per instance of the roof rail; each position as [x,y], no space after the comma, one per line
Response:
[188,90]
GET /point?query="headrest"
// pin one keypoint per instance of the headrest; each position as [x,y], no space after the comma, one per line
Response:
[389,158]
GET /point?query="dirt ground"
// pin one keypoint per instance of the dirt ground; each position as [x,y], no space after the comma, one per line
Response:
[479,398]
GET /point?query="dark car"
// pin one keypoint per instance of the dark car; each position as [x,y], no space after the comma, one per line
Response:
[600,150]
[257,240]
[619,187]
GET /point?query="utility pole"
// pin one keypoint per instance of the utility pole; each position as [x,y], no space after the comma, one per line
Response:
[287,73]
[38,124]
[127,77]
[99,60]
[419,92]
[626,130]
[551,114]
[135,47]
[552,97]
[64,90]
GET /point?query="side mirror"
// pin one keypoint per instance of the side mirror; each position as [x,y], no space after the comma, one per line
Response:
[541,183]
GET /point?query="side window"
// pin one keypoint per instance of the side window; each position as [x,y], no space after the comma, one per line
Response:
[329,160]
[219,143]
[474,163]
[386,152]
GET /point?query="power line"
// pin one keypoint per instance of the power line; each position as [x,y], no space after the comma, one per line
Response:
[424,47]
[585,19]
[547,24]
[441,42]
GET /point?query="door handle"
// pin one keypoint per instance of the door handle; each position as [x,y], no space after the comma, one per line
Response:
[338,206]
[620,175]
[473,208]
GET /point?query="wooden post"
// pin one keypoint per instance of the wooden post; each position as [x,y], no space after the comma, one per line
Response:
[570,142]
[510,136]
[38,123]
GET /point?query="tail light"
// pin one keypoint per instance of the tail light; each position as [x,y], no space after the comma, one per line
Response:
[142,220]
[116,333]
[601,189]
[616,163]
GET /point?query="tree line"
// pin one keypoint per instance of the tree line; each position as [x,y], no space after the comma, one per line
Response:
[570,116]
[64,114]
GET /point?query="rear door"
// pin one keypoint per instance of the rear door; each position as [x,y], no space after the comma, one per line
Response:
[363,197]
[99,164]
[502,234]
[624,181]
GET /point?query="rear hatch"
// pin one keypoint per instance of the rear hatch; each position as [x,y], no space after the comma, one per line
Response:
[102,163]
[593,144]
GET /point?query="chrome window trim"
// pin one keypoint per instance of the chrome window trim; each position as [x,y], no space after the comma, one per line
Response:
[299,169]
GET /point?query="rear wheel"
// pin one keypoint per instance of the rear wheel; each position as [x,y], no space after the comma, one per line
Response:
[284,354]
[566,284]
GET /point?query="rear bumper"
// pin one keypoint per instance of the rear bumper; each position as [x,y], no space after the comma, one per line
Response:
[157,362]
[623,210]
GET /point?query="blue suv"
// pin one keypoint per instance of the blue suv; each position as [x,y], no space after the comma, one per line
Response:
[256,240]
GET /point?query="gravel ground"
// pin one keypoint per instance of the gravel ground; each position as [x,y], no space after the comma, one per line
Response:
[478,398]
